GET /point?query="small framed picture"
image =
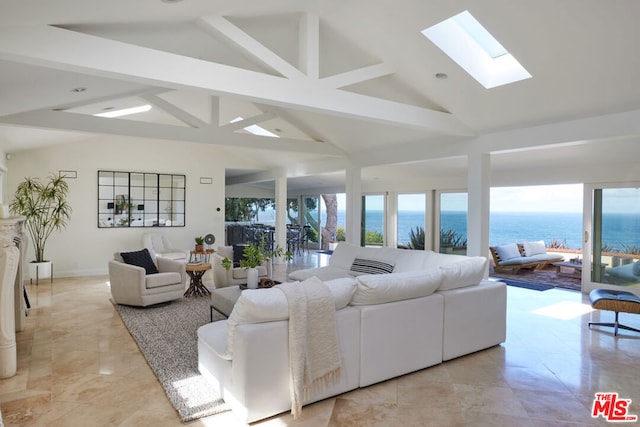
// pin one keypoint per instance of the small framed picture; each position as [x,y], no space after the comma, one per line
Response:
[68,174]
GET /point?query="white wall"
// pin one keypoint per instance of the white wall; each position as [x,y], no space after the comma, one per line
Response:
[84,249]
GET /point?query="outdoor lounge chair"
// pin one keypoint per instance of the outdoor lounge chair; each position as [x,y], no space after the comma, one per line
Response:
[515,256]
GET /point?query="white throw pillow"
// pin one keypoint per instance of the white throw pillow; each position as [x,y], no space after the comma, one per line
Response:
[509,251]
[534,248]
[464,273]
[382,288]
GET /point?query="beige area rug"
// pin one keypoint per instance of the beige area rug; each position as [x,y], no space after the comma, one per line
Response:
[166,336]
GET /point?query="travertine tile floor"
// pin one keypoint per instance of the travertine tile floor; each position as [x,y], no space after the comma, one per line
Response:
[78,366]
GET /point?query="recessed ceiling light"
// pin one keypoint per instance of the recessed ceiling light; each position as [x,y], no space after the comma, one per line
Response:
[78,89]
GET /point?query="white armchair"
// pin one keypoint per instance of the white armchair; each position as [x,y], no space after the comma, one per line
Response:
[160,246]
[131,285]
[223,278]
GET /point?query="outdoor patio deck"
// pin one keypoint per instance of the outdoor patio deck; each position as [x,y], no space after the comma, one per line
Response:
[546,276]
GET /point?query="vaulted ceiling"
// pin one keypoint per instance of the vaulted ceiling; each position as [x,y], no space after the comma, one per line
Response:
[337,81]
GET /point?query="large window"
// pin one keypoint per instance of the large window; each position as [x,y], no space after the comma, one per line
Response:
[137,199]
[453,223]
[373,220]
[411,221]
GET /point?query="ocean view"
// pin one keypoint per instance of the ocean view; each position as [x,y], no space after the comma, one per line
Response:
[508,227]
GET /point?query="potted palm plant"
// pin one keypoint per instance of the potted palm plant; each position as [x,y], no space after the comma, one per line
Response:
[46,209]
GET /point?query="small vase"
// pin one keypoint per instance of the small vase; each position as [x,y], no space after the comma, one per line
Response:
[252,278]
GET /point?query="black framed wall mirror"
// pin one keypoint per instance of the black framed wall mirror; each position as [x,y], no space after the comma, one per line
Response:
[140,199]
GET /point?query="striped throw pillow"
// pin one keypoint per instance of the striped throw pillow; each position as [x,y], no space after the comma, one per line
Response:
[371,266]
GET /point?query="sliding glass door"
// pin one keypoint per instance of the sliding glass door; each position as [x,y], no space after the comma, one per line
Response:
[612,238]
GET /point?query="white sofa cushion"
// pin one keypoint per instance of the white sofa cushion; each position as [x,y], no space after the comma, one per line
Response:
[343,256]
[534,248]
[435,260]
[269,305]
[159,280]
[383,288]
[411,260]
[323,273]
[464,273]
[345,253]
[506,252]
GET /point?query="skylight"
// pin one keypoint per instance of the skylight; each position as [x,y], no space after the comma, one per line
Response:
[256,130]
[473,48]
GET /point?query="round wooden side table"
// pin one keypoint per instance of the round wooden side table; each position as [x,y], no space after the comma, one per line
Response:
[196,287]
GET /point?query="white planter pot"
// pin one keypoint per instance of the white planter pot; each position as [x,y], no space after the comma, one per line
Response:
[252,278]
[39,270]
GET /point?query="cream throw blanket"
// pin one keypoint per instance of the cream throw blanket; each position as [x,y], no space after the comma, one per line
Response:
[314,357]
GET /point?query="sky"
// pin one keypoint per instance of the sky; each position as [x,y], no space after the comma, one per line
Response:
[539,198]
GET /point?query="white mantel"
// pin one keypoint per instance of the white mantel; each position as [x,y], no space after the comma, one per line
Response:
[12,304]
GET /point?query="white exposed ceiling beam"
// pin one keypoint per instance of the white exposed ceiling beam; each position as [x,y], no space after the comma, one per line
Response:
[72,51]
[176,112]
[221,26]
[300,125]
[580,131]
[292,171]
[357,76]
[617,125]
[309,45]
[214,103]
[86,123]
[249,121]
[107,98]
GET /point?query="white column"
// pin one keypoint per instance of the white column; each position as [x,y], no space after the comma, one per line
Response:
[478,186]
[281,215]
[9,261]
[391,225]
[353,189]
[430,221]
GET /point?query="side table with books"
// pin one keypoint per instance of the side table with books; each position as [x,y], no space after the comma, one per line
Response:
[200,256]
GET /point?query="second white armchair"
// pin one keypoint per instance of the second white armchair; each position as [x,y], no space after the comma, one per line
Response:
[235,275]
[160,246]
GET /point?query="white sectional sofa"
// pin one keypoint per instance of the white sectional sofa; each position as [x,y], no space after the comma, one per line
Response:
[431,308]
